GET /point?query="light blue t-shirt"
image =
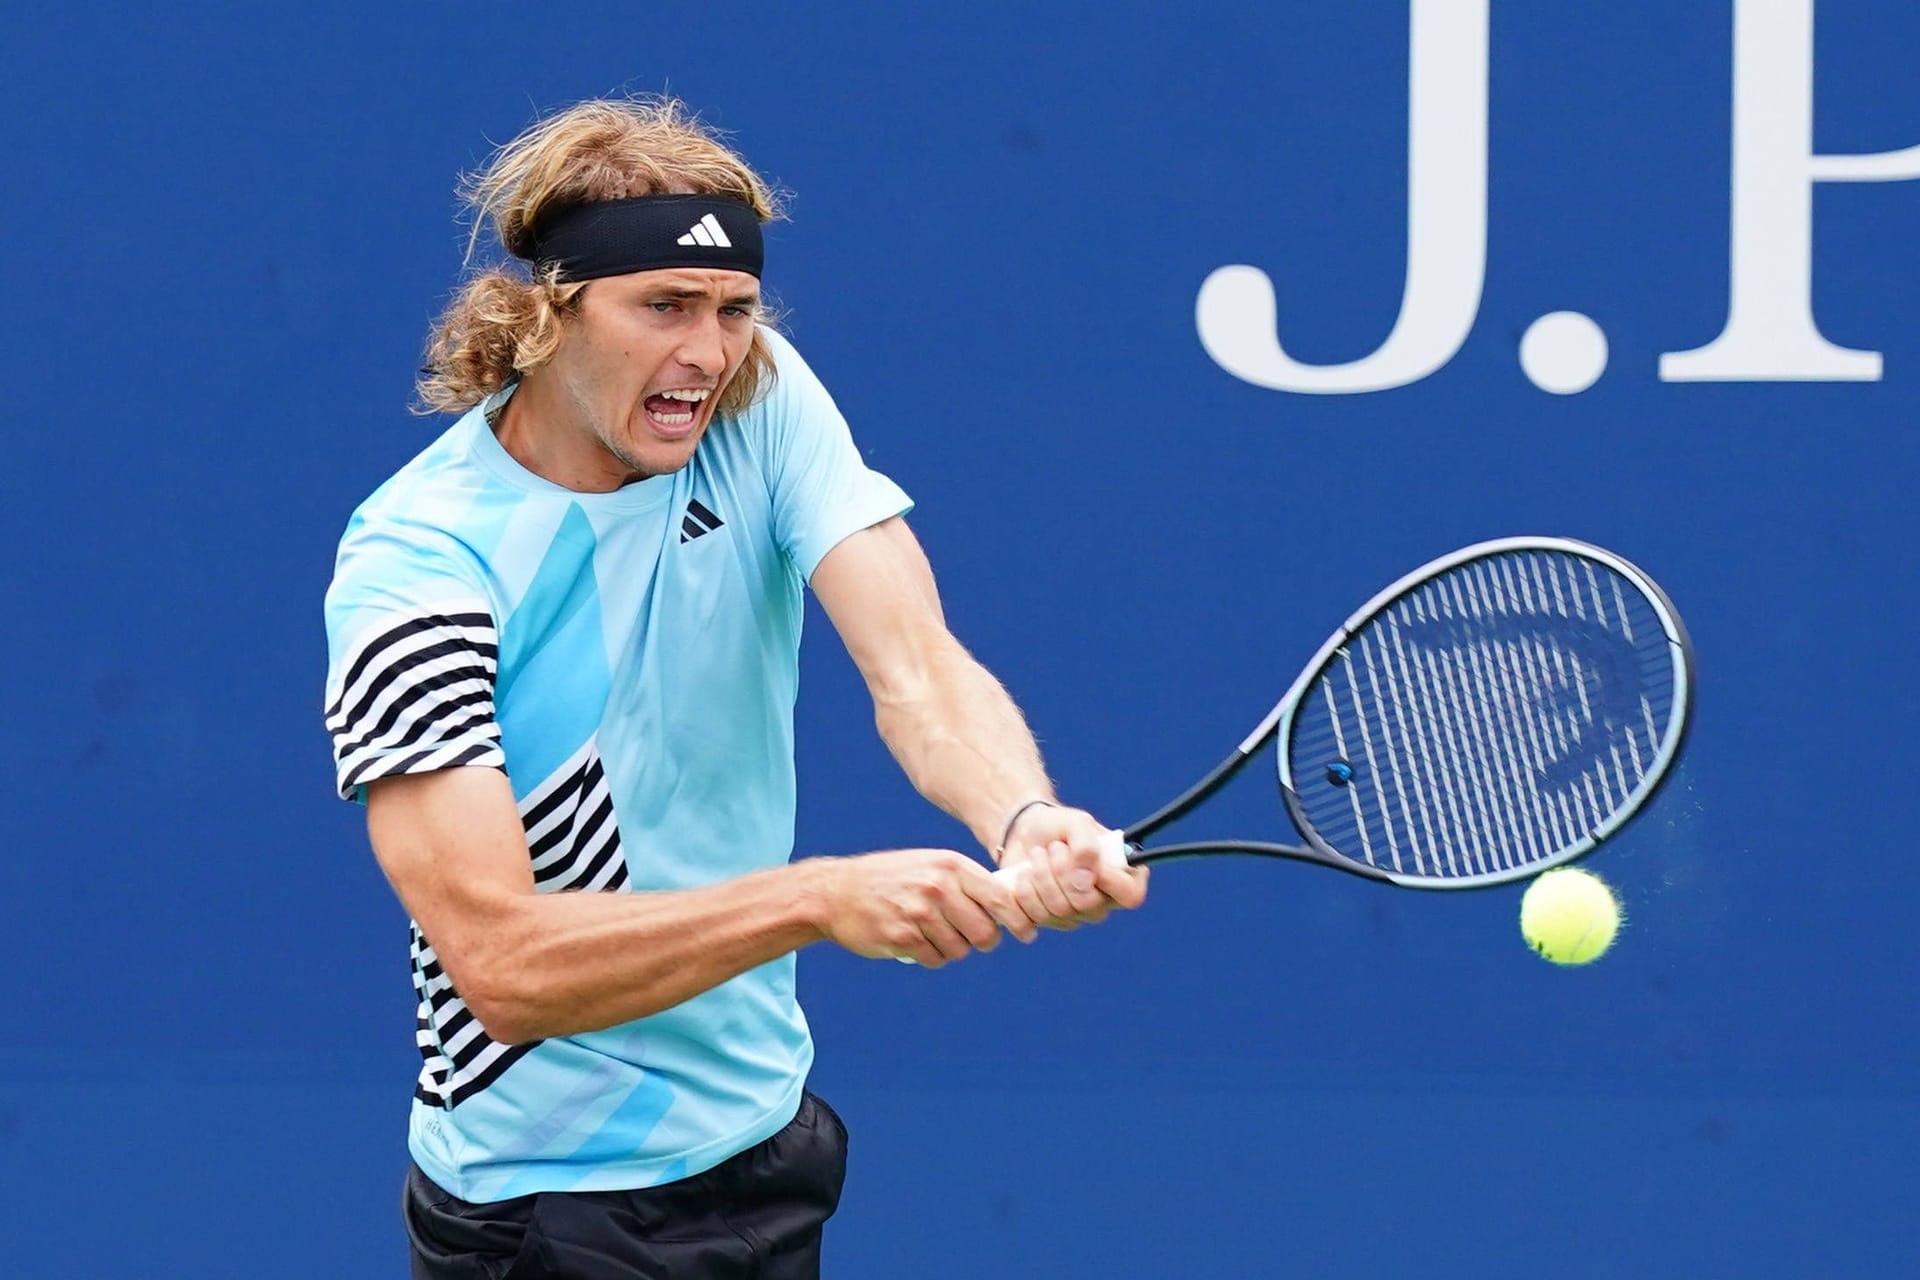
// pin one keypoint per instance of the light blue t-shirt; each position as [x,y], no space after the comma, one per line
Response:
[630,659]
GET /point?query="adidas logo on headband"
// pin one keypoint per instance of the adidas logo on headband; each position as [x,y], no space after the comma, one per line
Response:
[706,231]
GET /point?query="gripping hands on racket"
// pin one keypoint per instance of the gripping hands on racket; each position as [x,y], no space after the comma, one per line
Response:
[932,906]
[1059,870]
[920,906]
[1054,865]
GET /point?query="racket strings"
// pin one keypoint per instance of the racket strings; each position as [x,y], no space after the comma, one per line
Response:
[1491,718]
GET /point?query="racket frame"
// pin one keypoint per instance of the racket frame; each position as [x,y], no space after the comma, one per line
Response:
[1278,725]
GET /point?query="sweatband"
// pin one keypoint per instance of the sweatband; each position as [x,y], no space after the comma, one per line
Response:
[648,233]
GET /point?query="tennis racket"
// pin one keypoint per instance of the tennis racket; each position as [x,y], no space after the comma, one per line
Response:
[1495,713]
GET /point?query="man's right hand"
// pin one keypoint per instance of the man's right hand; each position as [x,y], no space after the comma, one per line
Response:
[925,905]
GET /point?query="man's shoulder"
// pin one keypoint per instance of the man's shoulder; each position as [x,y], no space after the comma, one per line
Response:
[420,522]
[430,486]
[780,346]
[793,381]
[795,402]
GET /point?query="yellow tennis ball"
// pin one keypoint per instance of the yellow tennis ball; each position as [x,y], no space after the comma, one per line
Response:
[1569,916]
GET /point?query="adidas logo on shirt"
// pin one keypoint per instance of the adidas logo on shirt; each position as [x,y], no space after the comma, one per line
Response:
[698,521]
[707,231]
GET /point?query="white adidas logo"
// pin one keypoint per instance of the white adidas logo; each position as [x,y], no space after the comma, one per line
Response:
[706,231]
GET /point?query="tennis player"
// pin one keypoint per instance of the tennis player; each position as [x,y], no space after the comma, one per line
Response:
[563,661]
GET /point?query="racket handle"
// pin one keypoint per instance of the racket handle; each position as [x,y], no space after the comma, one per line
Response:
[1113,852]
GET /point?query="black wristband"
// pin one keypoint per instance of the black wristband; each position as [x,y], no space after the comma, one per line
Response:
[1008,834]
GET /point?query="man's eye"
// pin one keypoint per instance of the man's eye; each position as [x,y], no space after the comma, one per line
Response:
[662,306]
[737,311]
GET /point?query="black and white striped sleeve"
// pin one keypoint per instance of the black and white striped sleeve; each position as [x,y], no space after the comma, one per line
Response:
[414,694]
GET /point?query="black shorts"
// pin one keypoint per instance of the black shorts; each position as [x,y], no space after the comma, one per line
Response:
[757,1216]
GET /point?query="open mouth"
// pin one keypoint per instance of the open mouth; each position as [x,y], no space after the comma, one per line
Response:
[675,409]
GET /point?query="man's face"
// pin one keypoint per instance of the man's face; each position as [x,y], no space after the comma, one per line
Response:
[643,363]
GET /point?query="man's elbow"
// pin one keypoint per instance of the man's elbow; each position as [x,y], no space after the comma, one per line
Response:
[508,1014]
[500,987]
[514,1006]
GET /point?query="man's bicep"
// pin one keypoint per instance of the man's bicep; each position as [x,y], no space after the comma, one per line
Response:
[878,589]
[452,845]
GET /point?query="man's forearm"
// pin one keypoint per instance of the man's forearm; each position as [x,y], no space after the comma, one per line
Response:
[963,743]
[562,963]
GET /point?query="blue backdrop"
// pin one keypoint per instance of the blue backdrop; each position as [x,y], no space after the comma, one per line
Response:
[227,231]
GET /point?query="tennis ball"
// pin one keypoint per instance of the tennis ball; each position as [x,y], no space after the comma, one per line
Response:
[1569,916]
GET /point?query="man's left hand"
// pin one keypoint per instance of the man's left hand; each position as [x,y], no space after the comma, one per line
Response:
[1065,883]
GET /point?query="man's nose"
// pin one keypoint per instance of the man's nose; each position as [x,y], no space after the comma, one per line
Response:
[705,347]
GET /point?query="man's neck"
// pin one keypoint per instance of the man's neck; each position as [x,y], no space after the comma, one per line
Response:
[537,433]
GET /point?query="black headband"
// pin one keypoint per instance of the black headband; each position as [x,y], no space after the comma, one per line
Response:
[648,233]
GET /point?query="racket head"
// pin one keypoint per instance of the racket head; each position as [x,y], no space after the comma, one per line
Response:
[1497,712]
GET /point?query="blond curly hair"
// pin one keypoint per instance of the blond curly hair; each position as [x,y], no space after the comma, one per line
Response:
[503,323]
